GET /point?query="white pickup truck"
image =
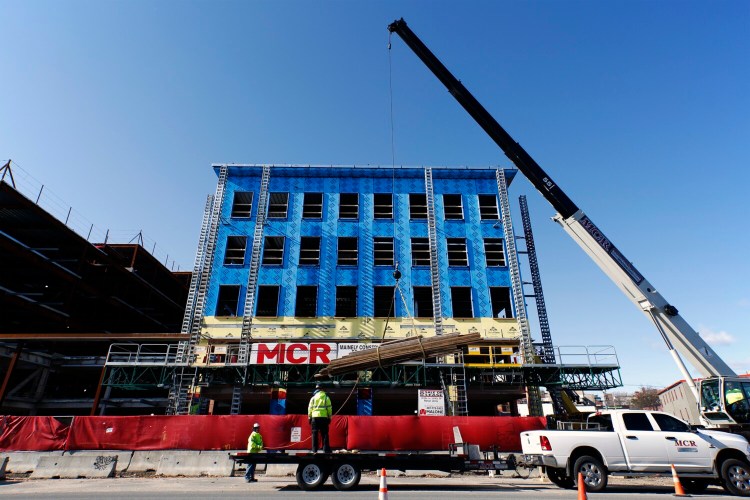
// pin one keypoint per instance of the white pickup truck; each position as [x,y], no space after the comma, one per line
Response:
[632,442]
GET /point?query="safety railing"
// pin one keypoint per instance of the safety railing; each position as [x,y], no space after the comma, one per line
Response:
[592,355]
[142,355]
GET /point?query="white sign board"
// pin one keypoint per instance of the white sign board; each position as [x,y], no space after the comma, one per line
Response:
[431,402]
[296,436]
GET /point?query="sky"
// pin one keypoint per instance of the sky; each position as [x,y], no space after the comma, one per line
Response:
[639,110]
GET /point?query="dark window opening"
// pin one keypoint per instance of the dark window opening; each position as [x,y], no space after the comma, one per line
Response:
[420,252]
[278,204]
[346,301]
[309,251]
[637,422]
[461,300]
[417,206]
[242,204]
[383,206]
[494,251]
[235,252]
[384,253]
[423,302]
[348,206]
[307,302]
[488,207]
[267,303]
[347,254]
[457,255]
[452,207]
[229,299]
[273,251]
[384,302]
[501,305]
[312,206]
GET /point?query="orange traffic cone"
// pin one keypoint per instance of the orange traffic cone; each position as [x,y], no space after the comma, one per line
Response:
[383,495]
[679,491]
[581,488]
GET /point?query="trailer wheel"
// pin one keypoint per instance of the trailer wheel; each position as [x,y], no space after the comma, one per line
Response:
[558,477]
[735,477]
[311,476]
[346,477]
[594,473]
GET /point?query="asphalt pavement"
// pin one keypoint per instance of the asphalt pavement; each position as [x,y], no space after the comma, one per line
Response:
[476,487]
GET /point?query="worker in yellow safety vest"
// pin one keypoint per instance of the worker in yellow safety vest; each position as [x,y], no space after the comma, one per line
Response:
[319,412]
[254,445]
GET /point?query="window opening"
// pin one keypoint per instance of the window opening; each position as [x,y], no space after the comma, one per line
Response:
[423,302]
[457,255]
[461,300]
[273,251]
[312,206]
[235,252]
[494,252]
[488,207]
[417,206]
[307,302]
[501,305]
[383,206]
[347,253]
[229,299]
[637,422]
[346,301]
[309,251]
[242,204]
[420,252]
[384,302]
[278,205]
[452,206]
[384,253]
[349,206]
[268,301]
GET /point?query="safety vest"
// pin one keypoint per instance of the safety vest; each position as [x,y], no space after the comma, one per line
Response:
[320,406]
[255,443]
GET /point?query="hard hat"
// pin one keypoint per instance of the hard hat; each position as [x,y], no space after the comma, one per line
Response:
[256,424]
[318,386]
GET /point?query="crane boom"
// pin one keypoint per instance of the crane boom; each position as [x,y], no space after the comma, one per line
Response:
[676,332]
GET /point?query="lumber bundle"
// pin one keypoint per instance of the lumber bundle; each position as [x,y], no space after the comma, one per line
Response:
[398,351]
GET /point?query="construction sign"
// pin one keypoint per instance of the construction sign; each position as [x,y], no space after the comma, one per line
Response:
[430,403]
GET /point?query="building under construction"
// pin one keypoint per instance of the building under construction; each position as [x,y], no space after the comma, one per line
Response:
[299,265]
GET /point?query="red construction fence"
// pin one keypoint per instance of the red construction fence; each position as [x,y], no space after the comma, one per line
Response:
[230,432]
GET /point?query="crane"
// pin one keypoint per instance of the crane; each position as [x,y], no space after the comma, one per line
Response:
[681,339]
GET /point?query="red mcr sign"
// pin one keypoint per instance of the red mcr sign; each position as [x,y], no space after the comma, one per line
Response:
[292,354]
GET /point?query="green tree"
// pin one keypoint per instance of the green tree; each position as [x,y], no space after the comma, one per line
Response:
[645,399]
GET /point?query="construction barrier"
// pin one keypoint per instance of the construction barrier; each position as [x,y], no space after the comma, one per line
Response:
[72,467]
[22,462]
[280,432]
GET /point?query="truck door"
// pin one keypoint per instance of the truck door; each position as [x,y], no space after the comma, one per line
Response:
[645,450]
[688,451]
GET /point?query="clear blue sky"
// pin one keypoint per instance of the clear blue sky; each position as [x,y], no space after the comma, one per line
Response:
[639,109]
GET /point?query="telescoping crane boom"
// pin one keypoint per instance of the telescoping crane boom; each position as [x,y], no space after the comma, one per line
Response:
[679,336]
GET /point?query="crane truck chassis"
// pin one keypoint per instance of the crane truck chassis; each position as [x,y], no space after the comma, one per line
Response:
[717,409]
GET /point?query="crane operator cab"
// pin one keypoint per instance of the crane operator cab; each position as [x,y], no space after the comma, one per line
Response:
[725,400]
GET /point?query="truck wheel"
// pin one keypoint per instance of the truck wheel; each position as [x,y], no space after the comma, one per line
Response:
[694,486]
[594,473]
[559,477]
[346,477]
[735,477]
[311,476]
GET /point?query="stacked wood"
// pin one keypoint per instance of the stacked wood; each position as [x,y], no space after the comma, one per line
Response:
[398,351]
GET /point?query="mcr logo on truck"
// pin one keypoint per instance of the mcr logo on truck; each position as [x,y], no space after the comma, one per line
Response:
[292,354]
[680,442]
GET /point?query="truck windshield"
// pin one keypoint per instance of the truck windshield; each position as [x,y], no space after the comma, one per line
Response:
[737,395]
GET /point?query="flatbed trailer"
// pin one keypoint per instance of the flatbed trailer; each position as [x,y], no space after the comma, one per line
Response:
[345,468]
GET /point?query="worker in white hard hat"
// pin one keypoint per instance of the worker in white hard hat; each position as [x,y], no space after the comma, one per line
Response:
[319,412]
[254,445]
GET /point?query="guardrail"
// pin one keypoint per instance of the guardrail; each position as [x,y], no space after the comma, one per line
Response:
[142,355]
[593,355]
